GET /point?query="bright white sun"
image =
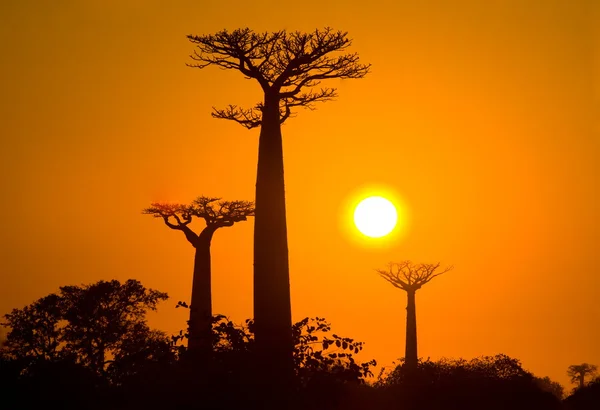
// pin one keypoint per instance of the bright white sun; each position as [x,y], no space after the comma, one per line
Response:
[375,216]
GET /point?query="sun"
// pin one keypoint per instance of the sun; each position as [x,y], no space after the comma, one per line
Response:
[375,216]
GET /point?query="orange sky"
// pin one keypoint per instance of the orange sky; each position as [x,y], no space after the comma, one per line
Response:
[481,116]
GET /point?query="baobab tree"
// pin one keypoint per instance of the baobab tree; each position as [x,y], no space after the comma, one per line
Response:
[411,277]
[578,373]
[288,66]
[217,214]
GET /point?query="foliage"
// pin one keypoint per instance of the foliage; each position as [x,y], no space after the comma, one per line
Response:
[550,386]
[35,330]
[579,372]
[490,382]
[585,398]
[315,353]
[100,327]
[499,367]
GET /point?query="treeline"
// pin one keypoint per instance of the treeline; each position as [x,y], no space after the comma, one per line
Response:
[90,347]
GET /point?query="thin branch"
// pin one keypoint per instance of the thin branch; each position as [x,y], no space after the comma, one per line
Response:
[249,118]
[284,63]
[409,277]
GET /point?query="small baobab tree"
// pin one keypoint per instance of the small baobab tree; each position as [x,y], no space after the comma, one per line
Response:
[579,372]
[288,66]
[216,214]
[411,277]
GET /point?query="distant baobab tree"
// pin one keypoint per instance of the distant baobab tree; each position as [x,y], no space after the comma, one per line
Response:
[216,214]
[578,373]
[411,277]
[287,66]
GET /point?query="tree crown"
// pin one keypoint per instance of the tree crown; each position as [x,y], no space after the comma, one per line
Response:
[579,372]
[214,211]
[95,325]
[408,276]
[287,65]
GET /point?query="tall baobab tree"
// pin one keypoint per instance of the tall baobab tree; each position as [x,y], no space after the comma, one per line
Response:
[216,214]
[411,277]
[288,66]
[578,373]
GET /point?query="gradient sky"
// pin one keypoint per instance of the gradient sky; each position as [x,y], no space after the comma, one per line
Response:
[480,117]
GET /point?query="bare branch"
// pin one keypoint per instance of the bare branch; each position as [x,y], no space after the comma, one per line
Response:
[308,99]
[180,213]
[409,277]
[249,118]
[242,50]
[285,64]
[221,213]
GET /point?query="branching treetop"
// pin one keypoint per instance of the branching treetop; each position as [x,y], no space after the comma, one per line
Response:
[410,277]
[285,64]
[214,211]
[578,372]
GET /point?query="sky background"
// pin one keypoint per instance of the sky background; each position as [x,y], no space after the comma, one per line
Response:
[480,118]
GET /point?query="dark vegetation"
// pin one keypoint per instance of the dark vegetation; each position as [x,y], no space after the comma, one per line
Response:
[90,347]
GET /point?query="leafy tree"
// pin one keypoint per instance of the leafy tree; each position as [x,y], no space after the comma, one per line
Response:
[324,365]
[287,66]
[217,214]
[315,352]
[499,367]
[550,386]
[579,372]
[97,326]
[36,330]
[490,382]
[410,278]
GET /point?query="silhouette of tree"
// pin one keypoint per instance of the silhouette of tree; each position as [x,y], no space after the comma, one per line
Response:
[216,214]
[487,382]
[97,326]
[550,386]
[410,278]
[578,373]
[35,330]
[584,398]
[287,66]
[485,367]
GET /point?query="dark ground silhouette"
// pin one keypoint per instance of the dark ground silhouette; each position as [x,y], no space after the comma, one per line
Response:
[90,347]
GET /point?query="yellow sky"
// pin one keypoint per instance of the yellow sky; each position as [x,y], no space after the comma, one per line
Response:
[481,117]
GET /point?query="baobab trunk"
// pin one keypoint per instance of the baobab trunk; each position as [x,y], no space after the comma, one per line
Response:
[200,337]
[410,355]
[272,306]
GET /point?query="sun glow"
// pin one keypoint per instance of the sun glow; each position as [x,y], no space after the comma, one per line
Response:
[375,217]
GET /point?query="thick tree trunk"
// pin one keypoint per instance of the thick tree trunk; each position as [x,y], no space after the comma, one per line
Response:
[410,355]
[200,329]
[272,306]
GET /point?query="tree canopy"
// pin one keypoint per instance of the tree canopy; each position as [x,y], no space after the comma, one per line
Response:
[99,326]
[287,65]
[406,275]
